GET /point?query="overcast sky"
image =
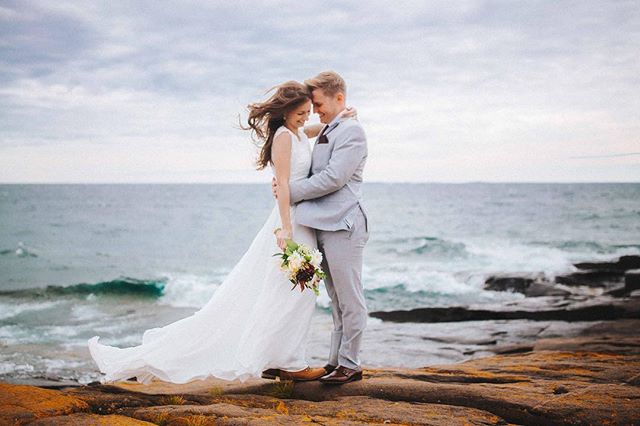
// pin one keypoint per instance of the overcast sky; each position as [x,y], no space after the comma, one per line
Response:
[448,91]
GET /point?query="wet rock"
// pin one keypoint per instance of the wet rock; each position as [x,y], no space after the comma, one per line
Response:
[530,286]
[597,278]
[513,349]
[51,383]
[508,283]
[624,263]
[617,291]
[541,289]
[593,312]
[632,280]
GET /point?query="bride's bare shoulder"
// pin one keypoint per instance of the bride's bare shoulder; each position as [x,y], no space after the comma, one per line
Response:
[282,138]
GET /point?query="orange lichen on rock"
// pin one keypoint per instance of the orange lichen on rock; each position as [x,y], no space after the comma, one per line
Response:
[547,387]
[20,404]
[84,419]
[282,408]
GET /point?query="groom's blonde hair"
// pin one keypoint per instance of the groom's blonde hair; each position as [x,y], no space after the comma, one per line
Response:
[329,82]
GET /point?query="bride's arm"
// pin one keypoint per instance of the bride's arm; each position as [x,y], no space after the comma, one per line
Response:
[312,130]
[281,157]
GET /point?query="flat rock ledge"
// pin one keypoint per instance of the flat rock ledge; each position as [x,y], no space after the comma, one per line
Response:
[591,379]
[593,309]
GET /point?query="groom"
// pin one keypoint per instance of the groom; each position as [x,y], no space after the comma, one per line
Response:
[330,201]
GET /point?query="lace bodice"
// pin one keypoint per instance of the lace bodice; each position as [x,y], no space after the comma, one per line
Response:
[300,154]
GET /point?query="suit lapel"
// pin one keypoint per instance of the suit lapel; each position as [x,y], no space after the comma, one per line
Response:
[324,131]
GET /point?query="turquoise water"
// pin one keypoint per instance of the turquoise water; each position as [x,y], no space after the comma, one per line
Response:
[113,260]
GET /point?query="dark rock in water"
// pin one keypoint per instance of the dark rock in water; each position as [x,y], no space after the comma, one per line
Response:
[599,312]
[513,349]
[530,286]
[456,339]
[592,274]
[618,291]
[624,263]
[597,278]
[508,283]
[632,280]
[539,289]
[50,383]
[630,262]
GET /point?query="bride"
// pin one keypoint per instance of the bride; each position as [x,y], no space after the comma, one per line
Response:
[254,325]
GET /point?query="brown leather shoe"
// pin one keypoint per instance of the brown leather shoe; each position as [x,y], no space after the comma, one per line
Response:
[341,375]
[305,375]
[271,373]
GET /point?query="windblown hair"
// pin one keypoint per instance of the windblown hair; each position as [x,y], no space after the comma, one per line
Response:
[265,117]
[329,81]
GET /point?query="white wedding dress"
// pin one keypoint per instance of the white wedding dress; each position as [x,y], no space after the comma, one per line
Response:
[254,320]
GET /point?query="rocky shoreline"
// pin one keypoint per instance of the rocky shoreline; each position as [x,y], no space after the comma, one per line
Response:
[590,379]
[597,291]
[585,377]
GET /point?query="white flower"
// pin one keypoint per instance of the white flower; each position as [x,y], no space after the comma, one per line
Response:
[316,258]
[295,261]
[304,250]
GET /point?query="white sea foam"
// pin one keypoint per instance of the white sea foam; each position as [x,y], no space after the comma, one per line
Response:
[59,364]
[11,309]
[507,256]
[61,332]
[414,277]
[85,312]
[8,367]
[189,290]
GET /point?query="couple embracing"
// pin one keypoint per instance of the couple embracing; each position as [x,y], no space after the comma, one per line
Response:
[255,325]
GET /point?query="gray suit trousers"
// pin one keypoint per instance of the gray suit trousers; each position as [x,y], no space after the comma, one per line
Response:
[342,251]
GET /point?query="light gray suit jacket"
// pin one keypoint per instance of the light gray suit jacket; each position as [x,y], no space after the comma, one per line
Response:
[330,197]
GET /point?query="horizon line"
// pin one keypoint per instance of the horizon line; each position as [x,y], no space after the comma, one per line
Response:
[367,182]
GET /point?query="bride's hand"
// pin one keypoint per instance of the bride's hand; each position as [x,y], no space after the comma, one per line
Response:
[349,112]
[282,235]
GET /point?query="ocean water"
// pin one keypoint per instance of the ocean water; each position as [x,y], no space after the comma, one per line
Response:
[114,260]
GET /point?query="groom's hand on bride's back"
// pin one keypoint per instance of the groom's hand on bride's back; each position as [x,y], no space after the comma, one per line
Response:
[274,187]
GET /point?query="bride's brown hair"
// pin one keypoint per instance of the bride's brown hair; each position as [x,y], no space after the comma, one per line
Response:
[265,117]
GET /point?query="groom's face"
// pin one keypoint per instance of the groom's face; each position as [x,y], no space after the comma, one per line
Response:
[326,106]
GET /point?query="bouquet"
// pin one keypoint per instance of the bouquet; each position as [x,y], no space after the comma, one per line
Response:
[302,266]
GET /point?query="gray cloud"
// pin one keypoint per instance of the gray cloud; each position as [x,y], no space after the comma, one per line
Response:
[448,91]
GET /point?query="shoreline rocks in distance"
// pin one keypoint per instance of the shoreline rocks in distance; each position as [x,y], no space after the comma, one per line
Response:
[618,279]
[624,263]
[594,312]
[572,297]
[632,280]
[612,277]
[530,285]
